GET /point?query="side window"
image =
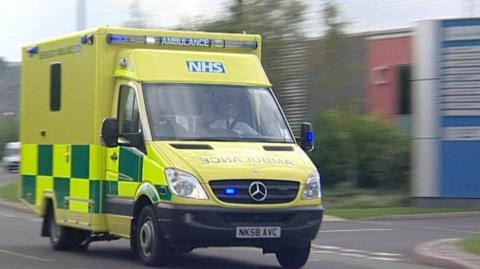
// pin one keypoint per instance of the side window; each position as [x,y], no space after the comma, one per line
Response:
[55,86]
[128,115]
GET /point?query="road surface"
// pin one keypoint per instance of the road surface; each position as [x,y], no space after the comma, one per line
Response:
[344,244]
[374,244]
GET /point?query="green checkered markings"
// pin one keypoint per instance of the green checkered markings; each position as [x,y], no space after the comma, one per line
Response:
[112,187]
[61,187]
[28,188]
[164,192]
[131,164]
[80,161]
[45,160]
[97,194]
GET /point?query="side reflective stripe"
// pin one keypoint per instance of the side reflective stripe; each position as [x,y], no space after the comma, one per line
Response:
[97,194]
[45,160]
[80,161]
[79,194]
[131,163]
[61,161]
[29,155]
[44,183]
[61,186]
[80,180]
[164,192]
[28,189]
[112,187]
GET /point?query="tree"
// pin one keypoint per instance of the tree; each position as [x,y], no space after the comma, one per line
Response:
[338,78]
[136,15]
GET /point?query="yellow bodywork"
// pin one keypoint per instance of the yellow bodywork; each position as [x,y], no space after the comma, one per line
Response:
[64,159]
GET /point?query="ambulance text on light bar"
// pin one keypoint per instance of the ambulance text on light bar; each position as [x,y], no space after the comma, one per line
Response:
[180,41]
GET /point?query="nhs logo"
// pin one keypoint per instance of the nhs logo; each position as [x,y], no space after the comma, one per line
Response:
[205,66]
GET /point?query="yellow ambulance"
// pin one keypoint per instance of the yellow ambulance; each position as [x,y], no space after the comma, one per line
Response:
[171,139]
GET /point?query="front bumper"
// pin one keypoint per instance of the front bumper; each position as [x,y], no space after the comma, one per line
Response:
[195,226]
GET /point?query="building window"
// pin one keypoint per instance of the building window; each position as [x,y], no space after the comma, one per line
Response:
[55,86]
[378,75]
[404,87]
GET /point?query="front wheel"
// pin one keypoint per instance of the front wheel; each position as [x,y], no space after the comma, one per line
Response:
[152,249]
[293,257]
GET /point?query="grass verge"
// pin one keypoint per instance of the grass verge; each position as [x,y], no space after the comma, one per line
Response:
[472,245]
[10,191]
[361,213]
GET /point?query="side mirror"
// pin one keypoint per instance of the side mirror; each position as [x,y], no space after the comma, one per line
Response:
[307,137]
[110,132]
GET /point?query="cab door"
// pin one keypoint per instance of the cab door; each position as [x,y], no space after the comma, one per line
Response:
[125,162]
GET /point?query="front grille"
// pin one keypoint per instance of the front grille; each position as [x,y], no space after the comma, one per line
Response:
[278,191]
[256,218]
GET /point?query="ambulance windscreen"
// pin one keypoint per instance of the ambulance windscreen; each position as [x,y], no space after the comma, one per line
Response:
[214,113]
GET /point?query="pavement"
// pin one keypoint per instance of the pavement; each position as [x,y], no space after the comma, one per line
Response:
[6,177]
[447,253]
[340,244]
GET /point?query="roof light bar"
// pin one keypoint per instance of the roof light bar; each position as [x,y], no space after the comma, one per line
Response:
[180,41]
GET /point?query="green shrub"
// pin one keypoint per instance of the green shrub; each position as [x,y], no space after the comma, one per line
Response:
[360,151]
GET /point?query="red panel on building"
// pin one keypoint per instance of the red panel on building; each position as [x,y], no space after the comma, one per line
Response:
[387,53]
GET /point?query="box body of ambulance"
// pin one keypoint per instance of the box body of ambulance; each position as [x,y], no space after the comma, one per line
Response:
[171,139]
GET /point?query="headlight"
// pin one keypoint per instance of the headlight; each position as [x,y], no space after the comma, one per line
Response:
[312,187]
[184,184]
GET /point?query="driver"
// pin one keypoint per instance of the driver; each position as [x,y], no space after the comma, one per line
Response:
[227,120]
[168,128]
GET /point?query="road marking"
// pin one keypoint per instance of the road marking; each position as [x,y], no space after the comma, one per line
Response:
[385,254]
[428,228]
[325,251]
[356,230]
[355,255]
[4,251]
[325,247]
[385,259]
[355,250]
[7,215]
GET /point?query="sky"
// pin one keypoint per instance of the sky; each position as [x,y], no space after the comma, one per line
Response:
[27,21]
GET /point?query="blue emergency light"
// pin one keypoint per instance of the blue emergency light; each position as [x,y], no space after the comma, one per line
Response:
[116,39]
[33,50]
[230,190]
[310,136]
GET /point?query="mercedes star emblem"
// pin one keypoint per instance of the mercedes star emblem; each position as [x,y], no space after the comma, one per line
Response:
[258,191]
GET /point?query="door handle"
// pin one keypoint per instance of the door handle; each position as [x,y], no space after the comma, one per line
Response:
[114,156]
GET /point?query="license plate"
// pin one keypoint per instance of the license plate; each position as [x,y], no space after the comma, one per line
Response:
[258,232]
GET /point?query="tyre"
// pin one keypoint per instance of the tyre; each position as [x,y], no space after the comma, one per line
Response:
[133,237]
[65,238]
[293,256]
[152,249]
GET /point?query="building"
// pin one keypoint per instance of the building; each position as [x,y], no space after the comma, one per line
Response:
[389,61]
[427,80]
